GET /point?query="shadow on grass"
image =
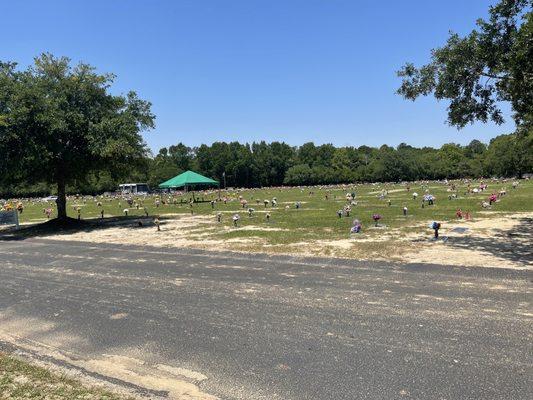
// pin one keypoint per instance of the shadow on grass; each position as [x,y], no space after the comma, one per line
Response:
[71,225]
[514,245]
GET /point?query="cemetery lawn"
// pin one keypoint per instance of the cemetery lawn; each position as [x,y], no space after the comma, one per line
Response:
[314,229]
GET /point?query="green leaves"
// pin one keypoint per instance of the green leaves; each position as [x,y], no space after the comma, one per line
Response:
[59,124]
[476,72]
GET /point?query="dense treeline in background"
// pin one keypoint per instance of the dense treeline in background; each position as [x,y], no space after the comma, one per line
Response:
[276,164]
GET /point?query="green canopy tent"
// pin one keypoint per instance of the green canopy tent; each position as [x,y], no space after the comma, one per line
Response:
[188,179]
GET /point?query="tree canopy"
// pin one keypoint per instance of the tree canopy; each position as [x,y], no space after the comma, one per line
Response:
[60,125]
[490,65]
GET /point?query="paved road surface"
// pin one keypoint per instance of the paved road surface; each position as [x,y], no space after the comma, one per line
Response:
[277,327]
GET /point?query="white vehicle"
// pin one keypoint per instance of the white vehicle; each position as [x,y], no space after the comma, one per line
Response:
[49,198]
[133,188]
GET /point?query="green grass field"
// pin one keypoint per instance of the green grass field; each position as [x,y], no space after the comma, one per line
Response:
[317,218]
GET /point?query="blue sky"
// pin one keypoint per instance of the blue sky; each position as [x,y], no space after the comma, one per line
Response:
[250,70]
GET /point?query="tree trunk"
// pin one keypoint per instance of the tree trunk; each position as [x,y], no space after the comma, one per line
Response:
[61,200]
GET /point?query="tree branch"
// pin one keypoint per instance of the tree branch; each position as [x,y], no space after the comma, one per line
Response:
[492,76]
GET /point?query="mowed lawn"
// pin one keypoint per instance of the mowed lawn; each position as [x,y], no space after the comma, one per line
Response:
[317,218]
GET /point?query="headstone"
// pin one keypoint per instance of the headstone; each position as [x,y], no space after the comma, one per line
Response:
[9,218]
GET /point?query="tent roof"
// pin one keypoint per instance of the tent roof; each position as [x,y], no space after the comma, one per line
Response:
[188,178]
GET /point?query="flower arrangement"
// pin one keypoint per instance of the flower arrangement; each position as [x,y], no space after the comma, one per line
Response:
[356,228]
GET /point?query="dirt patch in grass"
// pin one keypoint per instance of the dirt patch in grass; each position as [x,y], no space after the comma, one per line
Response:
[488,242]
[181,230]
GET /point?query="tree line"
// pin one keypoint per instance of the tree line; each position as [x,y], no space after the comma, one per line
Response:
[275,164]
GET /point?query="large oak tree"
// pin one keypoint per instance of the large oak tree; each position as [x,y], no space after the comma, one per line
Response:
[490,65]
[59,123]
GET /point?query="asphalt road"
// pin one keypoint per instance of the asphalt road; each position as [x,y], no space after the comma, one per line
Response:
[264,327]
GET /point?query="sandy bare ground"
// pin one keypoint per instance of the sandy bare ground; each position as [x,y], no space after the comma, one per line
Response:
[491,242]
[495,241]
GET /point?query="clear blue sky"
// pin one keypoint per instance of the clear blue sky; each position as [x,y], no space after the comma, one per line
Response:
[287,70]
